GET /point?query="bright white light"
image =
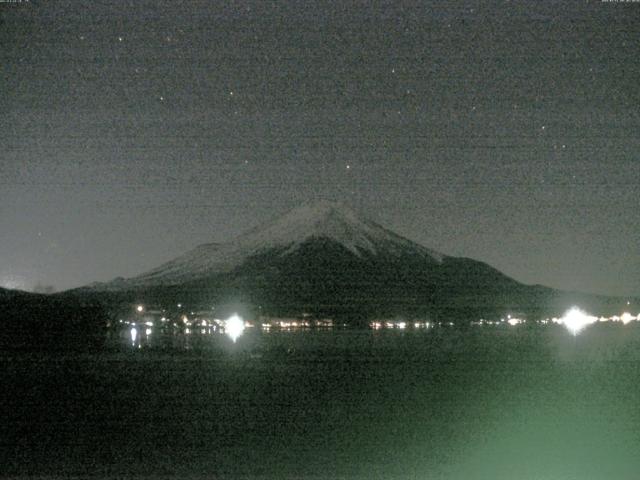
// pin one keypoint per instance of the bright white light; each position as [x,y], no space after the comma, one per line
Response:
[234,326]
[626,317]
[134,335]
[140,308]
[575,320]
[513,321]
[148,331]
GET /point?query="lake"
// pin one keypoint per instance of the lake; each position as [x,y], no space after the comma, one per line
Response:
[444,403]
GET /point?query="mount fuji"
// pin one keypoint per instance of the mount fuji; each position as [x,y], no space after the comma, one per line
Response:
[332,223]
[325,259]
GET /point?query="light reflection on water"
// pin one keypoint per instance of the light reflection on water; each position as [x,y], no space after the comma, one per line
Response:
[483,403]
[557,338]
[234,327]
[205,337]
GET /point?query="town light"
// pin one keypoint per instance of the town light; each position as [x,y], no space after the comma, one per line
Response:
[626,317]
[575,320]
[234,326]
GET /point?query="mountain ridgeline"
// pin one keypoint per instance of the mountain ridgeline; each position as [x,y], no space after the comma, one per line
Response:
[325,260]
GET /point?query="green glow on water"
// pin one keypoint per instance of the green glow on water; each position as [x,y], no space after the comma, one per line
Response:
[445,404]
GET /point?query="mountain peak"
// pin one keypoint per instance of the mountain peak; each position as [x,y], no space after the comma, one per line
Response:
[322,208]
[332,221]
[314,213]
[318,219]
[326,220]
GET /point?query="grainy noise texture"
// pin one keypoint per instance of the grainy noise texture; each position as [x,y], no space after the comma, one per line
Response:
[505,131]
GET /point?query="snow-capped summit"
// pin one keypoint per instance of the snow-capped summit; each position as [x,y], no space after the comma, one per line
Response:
[327,261]
[331,221]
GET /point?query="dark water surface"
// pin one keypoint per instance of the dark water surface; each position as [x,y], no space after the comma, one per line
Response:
[487,403]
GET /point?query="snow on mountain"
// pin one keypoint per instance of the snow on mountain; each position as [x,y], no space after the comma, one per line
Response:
[324,220]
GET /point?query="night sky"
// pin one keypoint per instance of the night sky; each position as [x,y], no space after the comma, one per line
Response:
[509,132]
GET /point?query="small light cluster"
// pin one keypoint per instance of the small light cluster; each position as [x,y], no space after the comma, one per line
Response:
[142,323]
[294,323]
[575,320]
[399,324]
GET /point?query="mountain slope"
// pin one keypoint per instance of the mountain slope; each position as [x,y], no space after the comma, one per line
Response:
[327,220]
[325,260]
